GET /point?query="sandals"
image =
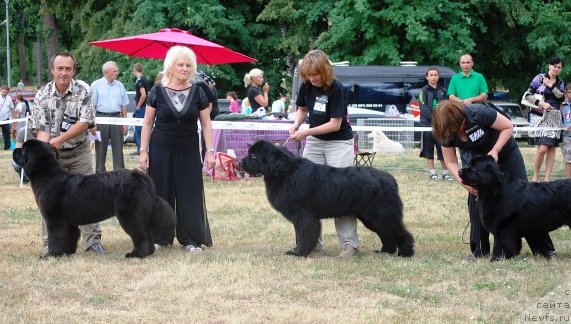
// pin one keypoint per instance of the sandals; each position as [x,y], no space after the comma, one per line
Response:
[192,248]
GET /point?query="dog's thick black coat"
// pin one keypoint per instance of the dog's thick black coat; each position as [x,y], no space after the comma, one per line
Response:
[67,200]
[305,192]
[513,208]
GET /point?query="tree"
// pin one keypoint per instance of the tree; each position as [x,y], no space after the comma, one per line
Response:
[510,40]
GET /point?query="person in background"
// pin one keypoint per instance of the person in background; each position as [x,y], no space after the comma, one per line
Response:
[19,111]
[278,106]
[24,134]
[20,85]
[233,98]
[201,75]
[256,97]
[63,111]
[329,138]
[158,78]
[141,90]
[6,113]
[170,150]
[482,130]
[110,100]
[429,97]
[566,135]
[551,87]
[467,86]
[246,108]
[210,92]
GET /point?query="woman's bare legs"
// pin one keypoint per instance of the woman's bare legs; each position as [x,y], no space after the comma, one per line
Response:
[540,152]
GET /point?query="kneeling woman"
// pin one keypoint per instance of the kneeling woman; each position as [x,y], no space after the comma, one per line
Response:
[479,129]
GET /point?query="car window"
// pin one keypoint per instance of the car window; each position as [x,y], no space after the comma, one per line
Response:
[513,110]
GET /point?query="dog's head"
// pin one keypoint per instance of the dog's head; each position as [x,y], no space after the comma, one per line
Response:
[34,156]
[268,159]
[482,172]
[377,135]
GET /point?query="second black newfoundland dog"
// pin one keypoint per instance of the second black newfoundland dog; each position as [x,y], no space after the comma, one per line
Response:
[513,208]
[67,200]
[305,192]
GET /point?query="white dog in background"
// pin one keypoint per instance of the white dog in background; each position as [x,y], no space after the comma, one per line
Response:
[383,144]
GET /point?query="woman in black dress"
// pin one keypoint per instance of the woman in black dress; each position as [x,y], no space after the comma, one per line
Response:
[170,148]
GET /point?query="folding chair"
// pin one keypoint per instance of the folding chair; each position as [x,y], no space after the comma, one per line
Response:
[361,158]
[364,159]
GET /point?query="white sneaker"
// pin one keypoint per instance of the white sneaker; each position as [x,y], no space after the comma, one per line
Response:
[192,248]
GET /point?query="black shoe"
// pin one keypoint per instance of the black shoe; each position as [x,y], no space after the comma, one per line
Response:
[134,153]
[97,248]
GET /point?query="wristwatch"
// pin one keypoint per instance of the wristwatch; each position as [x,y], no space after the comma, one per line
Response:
[210,149]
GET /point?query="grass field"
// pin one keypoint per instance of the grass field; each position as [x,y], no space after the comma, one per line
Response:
[246,278]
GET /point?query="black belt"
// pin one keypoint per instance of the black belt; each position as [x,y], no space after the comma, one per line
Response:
[108,114]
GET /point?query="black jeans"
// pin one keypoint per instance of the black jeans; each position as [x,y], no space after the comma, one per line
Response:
[6,135]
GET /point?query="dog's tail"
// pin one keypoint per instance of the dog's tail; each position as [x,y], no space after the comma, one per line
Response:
[164,218]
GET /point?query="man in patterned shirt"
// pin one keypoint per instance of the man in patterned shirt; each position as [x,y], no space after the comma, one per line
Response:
[63,111]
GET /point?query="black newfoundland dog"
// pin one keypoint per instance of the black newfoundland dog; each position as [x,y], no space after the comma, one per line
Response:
[305,192]
[67,200]
[513,208]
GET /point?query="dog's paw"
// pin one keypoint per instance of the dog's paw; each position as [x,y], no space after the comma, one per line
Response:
[291,252]
[386,249]
[133,255]
[295,252]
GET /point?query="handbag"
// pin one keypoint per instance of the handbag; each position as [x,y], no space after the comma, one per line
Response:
[226,167]
[533,109]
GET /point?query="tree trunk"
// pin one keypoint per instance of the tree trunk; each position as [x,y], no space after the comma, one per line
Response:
[38,60]
[22,60]
[49,20]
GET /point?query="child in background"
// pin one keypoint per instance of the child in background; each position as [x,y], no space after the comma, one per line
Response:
[566,135]
[231,96]
[428,98]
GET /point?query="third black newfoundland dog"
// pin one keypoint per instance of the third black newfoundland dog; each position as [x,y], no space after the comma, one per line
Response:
[513,208]
[305,192]
[67,200]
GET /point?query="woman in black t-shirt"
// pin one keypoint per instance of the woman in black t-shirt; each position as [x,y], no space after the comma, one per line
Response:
[329,138]
[253,81]
[480,130]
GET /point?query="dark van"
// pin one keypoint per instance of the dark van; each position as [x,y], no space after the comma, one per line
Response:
[377,86]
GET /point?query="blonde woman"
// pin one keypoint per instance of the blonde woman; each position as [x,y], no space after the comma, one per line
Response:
[257,97]
[170,148]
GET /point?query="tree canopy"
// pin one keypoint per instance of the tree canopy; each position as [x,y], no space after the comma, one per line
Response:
[510,40]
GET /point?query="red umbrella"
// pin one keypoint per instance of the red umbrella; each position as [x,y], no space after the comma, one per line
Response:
[156,45]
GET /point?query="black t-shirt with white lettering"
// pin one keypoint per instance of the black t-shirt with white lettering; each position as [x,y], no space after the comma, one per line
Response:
[481,136]
[324,104]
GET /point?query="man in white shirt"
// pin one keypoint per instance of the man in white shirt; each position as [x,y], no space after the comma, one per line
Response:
[110,100]
[6,112]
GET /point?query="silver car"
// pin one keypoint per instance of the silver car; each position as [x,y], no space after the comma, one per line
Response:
[517,117]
